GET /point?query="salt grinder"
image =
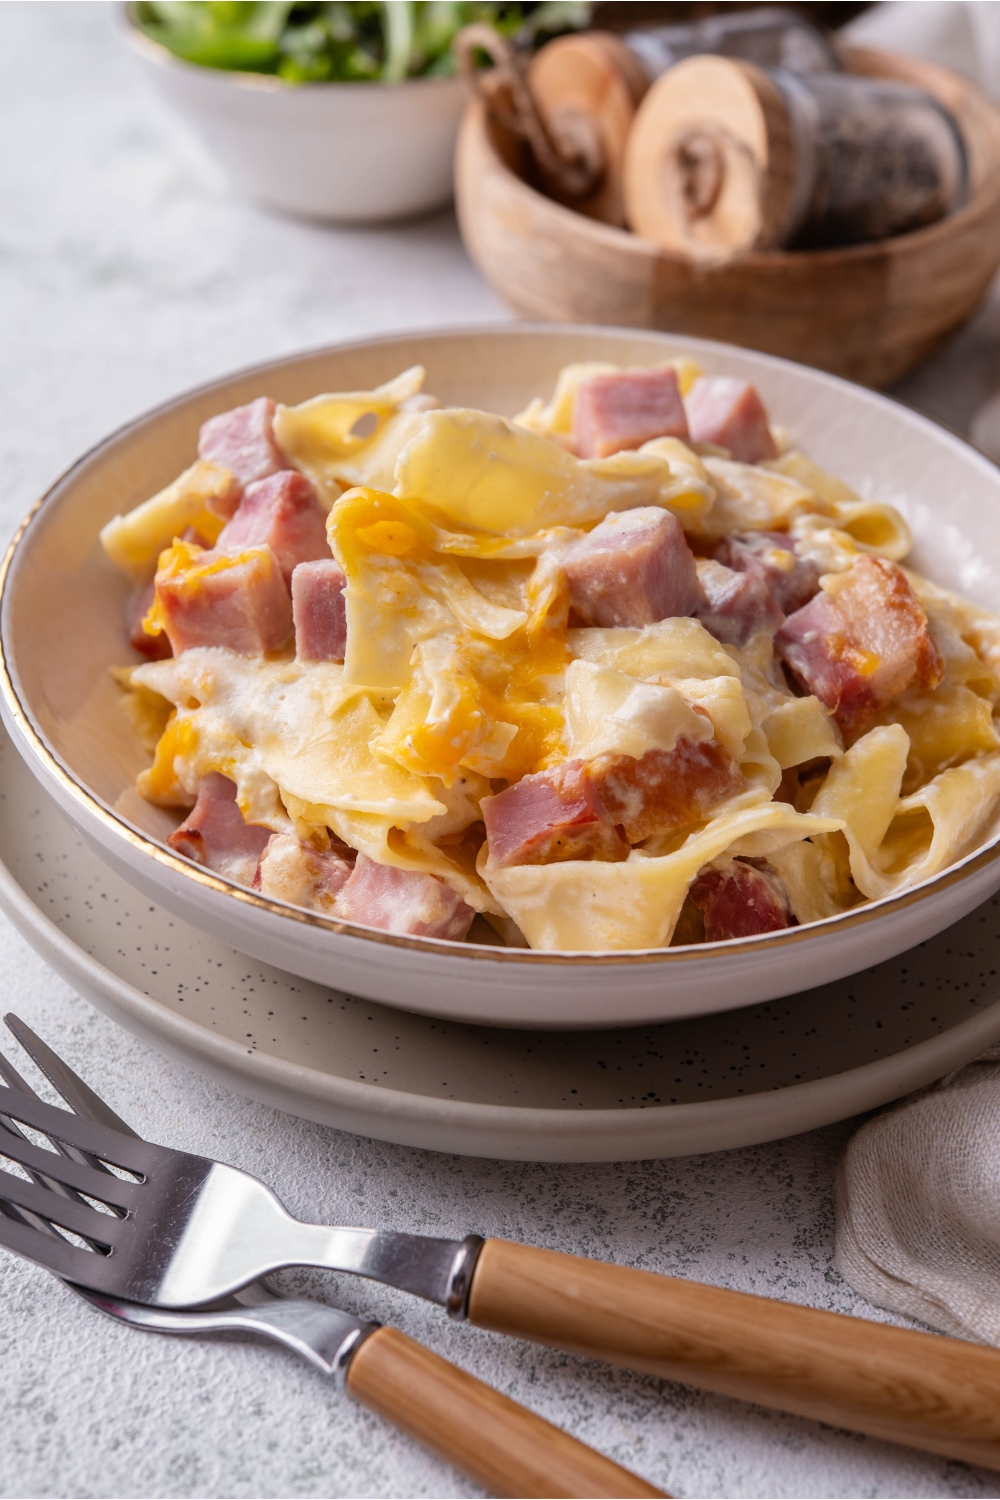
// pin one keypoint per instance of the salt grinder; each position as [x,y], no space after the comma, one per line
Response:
[726,157]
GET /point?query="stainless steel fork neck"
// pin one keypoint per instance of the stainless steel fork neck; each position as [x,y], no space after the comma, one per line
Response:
[438,1270]
[235,1231]
[326,1336]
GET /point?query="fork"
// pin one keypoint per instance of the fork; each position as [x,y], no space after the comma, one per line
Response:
[194,1230]
[492,1439]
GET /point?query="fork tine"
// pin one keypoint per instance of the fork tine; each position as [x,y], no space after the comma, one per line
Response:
[12,1077]
[34,1221]
[126,1151]
[81,1099]
[89,1106]
[8,1128]
[14,1080]
[41,1163]
[23,1229]
[78,1218]
[52,1252]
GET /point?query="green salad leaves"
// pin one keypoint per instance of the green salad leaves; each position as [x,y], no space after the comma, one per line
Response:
[338,42]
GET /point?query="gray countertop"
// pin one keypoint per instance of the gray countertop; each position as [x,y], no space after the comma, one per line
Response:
[128,272]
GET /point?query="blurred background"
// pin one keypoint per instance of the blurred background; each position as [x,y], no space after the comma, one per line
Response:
[136,264]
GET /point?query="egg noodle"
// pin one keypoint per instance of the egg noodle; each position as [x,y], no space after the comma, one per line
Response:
[465,671]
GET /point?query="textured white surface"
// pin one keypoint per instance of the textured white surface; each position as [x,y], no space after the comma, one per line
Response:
[127,273]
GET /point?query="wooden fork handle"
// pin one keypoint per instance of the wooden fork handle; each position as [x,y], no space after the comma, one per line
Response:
[502,1446]
[930,1392]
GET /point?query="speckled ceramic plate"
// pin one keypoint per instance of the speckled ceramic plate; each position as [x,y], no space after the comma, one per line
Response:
[697,1085]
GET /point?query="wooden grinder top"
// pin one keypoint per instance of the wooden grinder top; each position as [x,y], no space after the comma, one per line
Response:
[586,89]
[711,166]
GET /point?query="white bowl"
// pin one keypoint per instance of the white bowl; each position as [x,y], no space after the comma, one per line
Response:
[61,613]
[355,153]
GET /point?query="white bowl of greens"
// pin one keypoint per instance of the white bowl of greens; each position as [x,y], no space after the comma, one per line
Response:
[345,112]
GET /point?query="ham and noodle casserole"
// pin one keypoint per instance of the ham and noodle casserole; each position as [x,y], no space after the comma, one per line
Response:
[623,672]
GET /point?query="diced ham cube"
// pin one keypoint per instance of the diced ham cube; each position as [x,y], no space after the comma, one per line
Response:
[741,900]
[664,789]
[156,647]
[282,513]
[290,871]
[242,441]
[738,605]
[769,555]
[728,412]
[626,408]
[214,833]
[633,569]
[241,603]
[403,901]
[319,611]
[860,642]
[549,816]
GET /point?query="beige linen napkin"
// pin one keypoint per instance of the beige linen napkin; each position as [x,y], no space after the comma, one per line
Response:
[918,1205]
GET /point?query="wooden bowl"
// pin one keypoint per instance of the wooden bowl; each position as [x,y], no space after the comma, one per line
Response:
[867,312]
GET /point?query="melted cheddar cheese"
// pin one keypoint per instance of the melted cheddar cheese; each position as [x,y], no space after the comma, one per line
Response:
[464,671]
